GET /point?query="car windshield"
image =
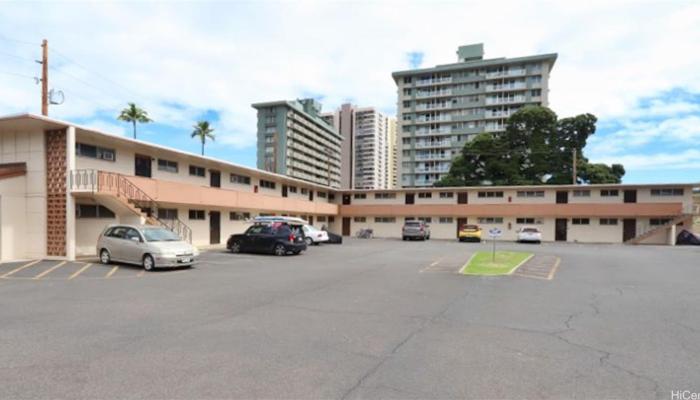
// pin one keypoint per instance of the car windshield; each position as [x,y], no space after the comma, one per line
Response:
[412,223]
[531,230]
[470,227]
[160,235]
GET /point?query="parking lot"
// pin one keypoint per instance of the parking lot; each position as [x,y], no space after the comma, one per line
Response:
[366,319]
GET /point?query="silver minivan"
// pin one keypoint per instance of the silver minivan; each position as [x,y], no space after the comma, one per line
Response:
[149,246]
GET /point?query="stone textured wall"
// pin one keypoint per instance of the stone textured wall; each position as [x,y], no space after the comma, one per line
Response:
[56,170]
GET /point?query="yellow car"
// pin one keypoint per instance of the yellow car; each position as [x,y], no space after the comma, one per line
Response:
[469,233]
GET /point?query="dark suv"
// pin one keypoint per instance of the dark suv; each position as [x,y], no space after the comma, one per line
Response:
[277,238]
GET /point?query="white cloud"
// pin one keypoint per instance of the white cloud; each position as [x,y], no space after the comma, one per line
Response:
[179,59]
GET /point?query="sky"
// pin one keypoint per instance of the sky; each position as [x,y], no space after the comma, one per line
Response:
[635,65]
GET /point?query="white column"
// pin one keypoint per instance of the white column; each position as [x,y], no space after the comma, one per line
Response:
[70,200]
[672,232]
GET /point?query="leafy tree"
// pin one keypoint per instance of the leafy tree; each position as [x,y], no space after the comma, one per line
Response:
[203,130]
[134,114]
[535,148]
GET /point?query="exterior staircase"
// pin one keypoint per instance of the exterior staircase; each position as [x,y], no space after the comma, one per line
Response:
[646,232]
[129,195]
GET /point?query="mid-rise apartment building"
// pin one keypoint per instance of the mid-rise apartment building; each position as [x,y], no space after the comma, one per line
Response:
[393,154]
[367,159]
[441,108]
[294,140]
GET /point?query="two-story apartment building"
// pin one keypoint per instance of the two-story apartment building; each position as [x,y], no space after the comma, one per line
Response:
[61,184]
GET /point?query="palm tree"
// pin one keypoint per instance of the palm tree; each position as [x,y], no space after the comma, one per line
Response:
[203,130]
[134,114]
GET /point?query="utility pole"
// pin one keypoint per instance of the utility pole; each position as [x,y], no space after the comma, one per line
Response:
[45,78]
[574,165]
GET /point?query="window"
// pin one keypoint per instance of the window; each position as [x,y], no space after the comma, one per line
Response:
[197,214]
[322,195]
[197,171]
[491,220]
[528,221]
[331,196]
[384,220]
[321,218]
[580,221]
[292,189]
[267,184]
[427,220]
[667,192]
[446,220]
[167,213]
[406,104]
[582,193]
[304,191]
[608,221]
[359,219]
[359,196]
[490,194]
[100,153]
[609,193]
[240,179]
[446,195]
[536,93]
[167,166]
[92,211]
[659,221]
[530,193]
[238,216]
[407,79]
[425,195]
[385,195]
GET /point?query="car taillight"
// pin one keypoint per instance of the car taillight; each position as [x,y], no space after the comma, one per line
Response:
[291,237]
[421,229]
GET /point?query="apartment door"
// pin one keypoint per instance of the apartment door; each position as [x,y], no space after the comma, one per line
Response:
[284,190]
[462,198]
[630,196]
[410,198]
[560,229]
[460,223]
[214,178]
[346,200]
[562,197]
[629,229]
[214,227]
[142,166]
[346,226]
[311,220]
[311,195]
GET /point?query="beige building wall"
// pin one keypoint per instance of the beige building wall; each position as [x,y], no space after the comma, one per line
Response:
[28,147]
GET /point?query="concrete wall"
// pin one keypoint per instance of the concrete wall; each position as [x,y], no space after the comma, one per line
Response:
[28,147]
[13,227]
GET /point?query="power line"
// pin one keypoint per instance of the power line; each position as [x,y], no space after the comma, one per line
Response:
[127,90]
[17,57]
[9,39]
[16,74]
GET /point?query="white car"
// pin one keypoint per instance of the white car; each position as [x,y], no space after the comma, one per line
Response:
[529,234]
[314,236]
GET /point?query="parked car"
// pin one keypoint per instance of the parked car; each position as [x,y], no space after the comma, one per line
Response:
[278,238]
[150,246]
[529,234]
[415,230]
[469,233]
[314,236]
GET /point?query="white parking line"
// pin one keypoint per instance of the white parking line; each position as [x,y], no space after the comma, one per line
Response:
[80,271]
[27,265]
[48,271]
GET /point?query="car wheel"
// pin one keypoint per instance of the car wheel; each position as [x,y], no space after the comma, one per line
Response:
[104,256]
[279,249]
[428,237]
[308,241]
[235,247]
[148,263]
[403,238]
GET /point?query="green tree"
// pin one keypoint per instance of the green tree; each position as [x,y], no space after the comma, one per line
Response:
[203,130]
[535,148]
[134,114]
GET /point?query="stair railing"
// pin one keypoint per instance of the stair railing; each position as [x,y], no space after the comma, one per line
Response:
[103,181]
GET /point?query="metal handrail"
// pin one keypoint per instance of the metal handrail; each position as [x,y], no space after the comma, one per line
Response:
[103,181]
